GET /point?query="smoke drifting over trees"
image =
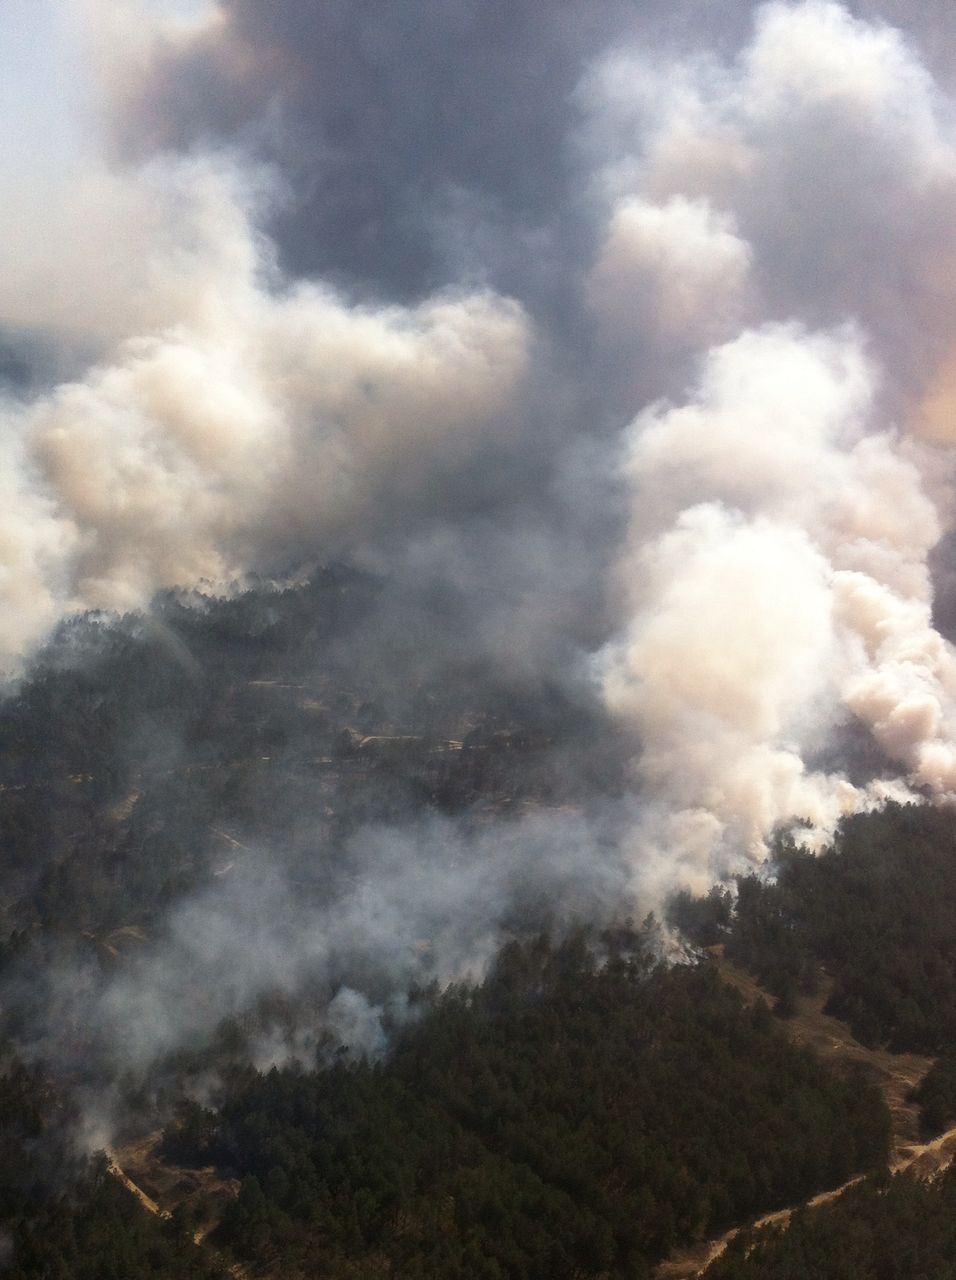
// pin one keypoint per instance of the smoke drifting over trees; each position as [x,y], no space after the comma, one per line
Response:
[627,329]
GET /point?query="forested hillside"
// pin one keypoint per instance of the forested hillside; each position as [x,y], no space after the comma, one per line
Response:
[581,1112]
[875,915]
[62,1215]
[566,1118]
[147,762]
[131,741]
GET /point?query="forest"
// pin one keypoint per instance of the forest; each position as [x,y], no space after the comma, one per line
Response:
[896,1228]
[62,1215]
[138,755]
[580,1112]
[131,739]
[875,914]
[577,1114]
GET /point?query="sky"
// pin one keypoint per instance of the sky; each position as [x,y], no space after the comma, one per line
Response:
[37,87]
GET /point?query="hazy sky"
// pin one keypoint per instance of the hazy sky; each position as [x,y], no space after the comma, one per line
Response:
[38,87]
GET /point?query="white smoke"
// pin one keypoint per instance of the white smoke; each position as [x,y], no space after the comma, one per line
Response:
[776,578]
[672,270]
[248,421]
[756,513]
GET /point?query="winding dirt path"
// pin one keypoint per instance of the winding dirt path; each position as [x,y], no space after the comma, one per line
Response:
[896,1074]
[691,1263]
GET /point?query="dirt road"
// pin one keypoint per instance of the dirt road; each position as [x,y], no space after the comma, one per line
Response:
[236,1270]
[146,1201]
[693,1262]
[895,1073]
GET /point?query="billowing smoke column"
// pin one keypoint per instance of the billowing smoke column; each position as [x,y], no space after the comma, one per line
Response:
[652,314]
[776,574]
[777,578]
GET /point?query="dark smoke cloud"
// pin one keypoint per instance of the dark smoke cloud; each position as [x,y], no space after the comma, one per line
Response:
[432,140]
[420,142]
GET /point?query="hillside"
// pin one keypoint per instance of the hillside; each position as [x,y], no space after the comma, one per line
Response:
[576,1112]
[225,751]
[872,920]
[562,1119]
[901,1079]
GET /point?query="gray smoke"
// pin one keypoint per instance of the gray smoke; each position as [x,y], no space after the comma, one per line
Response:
[429,901]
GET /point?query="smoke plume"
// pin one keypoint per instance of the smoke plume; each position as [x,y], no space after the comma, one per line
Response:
[632,323]
[785,507]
